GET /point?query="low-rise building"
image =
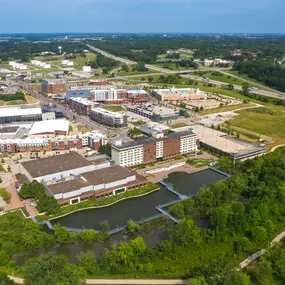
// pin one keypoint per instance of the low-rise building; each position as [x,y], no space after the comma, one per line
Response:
[153,149]
[93,140]
[20,114]
[104,182]
[178,94]
[154,113]
[49,128]
[109,118]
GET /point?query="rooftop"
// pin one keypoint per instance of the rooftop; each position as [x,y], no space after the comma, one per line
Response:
[55,164]
[49,126]
[83,101]
[151,140]
[20,111]
[107,112]
[11,129]
[153,128]
[97,177]
[53,81]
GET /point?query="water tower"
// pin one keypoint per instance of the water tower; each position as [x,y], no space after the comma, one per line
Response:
[59,49]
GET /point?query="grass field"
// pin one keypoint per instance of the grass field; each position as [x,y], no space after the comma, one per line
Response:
[178,125]
[171,66]
[115,108]
[263,121]
[226,108]
[224,78]
[82,129]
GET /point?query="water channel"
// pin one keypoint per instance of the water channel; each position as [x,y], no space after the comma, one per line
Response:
[143,207]
[120,213]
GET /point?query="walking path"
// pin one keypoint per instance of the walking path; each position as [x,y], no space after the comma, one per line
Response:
[277,146]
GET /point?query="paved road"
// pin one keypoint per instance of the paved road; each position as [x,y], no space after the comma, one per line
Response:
[120,132]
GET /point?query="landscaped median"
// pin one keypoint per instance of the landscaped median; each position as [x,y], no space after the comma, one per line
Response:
[103,202]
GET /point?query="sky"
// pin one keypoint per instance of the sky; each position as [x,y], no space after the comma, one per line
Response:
[142,16]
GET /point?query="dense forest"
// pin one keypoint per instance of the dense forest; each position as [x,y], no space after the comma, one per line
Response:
[267,72]
[242,214]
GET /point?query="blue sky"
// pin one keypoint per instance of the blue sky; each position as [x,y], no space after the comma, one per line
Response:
[225,16]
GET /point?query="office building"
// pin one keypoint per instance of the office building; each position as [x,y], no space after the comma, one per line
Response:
[71,179]
[93,140]
[53,87]
[153,149]
[20,114]
[154,113]
[178,94]
[109,118]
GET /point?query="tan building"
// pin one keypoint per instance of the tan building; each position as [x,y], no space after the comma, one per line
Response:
[54,87]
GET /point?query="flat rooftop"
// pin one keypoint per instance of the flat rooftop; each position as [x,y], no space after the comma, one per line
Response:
[97,177]
[7,130]
[49,126]
[222,141]
[150,140]
[153,109]
[20,111]
[55,164]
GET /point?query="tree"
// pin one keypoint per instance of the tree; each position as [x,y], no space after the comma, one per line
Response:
[33,189]
[185,233]
[9,168]
[61,234]
[201,108]
[52,270]
[105,149]
[235,277]
[259,234]
[88,261]
[138,246]
[47,204]
[230,87]
[5,195]
[150,79]
[197,281]
[245,89]
[87,235]
[5,280]
[132,226]
[2,160]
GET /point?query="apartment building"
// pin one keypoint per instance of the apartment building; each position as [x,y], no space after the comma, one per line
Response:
[93,139]
[109,118]
[53,87]
[60,143]
[81,106]
[153,149]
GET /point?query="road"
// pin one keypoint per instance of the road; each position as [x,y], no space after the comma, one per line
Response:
[273,94]
[120,132]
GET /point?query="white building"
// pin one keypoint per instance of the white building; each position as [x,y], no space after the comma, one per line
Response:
[86,68]
[49,128]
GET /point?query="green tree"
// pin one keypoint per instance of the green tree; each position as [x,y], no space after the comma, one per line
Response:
[87,235]
[150,79]
[245,89]
[88,261]
[105,149]
[259,234]
[5,280]
[197,281]
[132,226]
[53,270]
[47,204]
[235,277]
[61,234]
[32,190]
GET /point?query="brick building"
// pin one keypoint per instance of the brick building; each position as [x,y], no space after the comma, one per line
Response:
[53,87]
[154,149]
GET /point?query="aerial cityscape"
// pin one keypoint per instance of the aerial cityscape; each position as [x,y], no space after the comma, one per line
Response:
[129,155]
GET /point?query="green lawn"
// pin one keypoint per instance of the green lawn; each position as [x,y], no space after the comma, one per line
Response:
[223,78]
[268,122]
[171,66]
[82,129]
[115,108]
[178,125]
[226,108]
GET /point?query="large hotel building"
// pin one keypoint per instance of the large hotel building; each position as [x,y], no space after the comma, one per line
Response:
[153,149]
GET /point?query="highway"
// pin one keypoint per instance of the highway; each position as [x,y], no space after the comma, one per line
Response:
[164,71]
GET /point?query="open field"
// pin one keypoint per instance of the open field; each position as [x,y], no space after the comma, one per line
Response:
[226,108]
[182,55]
[261,122]
[171,66]
[224,78]
[115,108]
[82,129]
[178,125]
